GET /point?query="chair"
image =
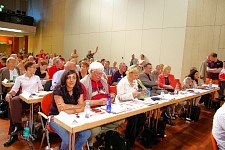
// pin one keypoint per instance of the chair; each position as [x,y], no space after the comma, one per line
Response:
[214,144]
[45,107]
[109,79]
[48,85]
[177,81]
[113,89]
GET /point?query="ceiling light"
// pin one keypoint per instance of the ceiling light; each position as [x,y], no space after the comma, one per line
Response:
[10,30]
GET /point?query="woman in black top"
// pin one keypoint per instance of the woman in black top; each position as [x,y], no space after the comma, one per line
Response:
[68,97]
[42,71]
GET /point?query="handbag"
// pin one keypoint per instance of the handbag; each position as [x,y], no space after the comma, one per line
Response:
[4,109]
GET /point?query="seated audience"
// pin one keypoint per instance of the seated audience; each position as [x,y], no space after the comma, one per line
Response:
[42,70]
[166,80]
[127,89]
[97,93]
[68,97]
[30,83]
[57,76]
[148,81]
[156,72]
[84,66]
[3,62]
[7,73]
[58,65]
[222,82]
[218,129]
[141,61]
[107,69]
[114,67]
[119,74]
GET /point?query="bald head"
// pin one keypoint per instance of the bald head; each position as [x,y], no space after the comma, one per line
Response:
[70,65]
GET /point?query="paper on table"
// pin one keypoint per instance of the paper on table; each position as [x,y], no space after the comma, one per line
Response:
[5,80]
[26,94]
[66,118]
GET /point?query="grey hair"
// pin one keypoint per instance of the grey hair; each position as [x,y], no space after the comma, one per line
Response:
[96,66]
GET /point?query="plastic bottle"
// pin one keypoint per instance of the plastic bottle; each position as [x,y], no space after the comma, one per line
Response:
[148,92]
[210,84]
[176,90]
[26,131]
[108,104]
[162,93]
[87,110]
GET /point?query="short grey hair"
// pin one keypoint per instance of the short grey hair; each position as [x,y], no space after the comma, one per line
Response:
[96,66]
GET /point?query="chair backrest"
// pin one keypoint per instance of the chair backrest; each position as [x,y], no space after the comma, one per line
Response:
[177,81]
[46,103]
[109,78]
[113,89]
[214,144]
[48,85]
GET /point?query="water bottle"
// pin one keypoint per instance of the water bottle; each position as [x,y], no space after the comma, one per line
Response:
[14,77]
[87,110]
[108,104]
[210,84]
[148,92]
[176,90]
[26,131]
[162,93]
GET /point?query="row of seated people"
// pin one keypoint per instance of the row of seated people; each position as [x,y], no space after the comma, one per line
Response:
[72,101]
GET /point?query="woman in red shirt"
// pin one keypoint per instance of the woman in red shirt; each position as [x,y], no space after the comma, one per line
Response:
[166,80]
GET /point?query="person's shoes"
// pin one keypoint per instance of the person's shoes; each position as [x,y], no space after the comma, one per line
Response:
[11,140]
[169,122]
[221,98]
[18,129]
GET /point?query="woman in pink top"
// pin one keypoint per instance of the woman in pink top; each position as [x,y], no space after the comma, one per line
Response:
[166,80]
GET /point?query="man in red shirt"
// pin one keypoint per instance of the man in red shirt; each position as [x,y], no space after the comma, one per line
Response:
[97,90]
[56,67]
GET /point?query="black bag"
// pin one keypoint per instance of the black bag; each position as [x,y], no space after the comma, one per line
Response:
[195,113]
[114,141]
[148,137]
[4,109]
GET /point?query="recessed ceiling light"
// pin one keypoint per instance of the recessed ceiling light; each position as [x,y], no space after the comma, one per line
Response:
[10,30]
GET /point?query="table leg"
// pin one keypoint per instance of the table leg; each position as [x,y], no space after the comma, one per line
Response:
[73,141]
[31,117]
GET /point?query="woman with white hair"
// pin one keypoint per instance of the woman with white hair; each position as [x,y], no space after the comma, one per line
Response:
[127,89]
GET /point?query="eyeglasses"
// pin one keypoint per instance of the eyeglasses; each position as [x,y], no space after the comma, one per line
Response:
[98,73]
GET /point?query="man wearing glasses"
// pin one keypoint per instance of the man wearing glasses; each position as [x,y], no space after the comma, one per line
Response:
[97,90]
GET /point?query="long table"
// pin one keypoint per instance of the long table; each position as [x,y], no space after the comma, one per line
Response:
[98,121]
[10,84]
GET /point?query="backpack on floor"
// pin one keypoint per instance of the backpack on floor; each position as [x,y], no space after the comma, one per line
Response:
[195,113]
[4,109]
[148,137]
[114,141]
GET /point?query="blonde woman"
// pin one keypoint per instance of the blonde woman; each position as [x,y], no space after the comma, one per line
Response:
[166,80]
[127,89]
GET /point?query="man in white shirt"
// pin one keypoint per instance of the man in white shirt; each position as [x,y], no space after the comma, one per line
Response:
[27,82]
[218,129]
[57,76]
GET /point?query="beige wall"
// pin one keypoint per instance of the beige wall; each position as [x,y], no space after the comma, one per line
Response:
[204,33]
[179,33]
[123,27]
[50,26]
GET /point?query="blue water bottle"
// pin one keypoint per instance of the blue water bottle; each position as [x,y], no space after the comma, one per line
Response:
[108,104]
[148,92]
[26,131]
